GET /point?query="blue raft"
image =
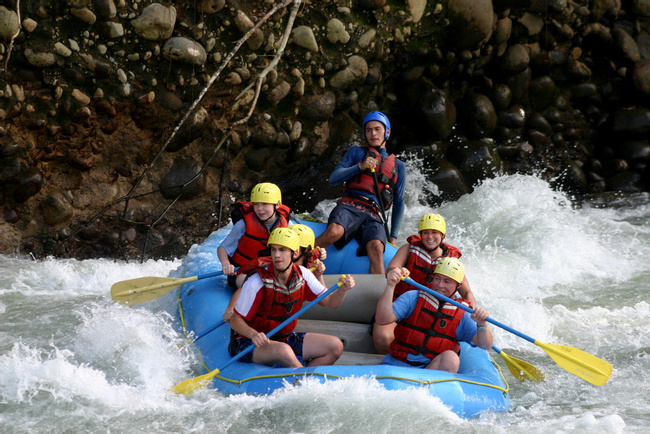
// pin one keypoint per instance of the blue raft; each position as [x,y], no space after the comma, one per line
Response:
[478,386]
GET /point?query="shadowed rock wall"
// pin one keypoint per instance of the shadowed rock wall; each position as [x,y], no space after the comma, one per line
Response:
[92,90]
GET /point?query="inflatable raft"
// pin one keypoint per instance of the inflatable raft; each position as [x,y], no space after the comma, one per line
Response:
[478,386]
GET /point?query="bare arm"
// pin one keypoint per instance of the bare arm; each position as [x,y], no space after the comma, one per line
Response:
[483,338]
[466,292]
[400,258]
[238,324]
[384,314]
[336,298]
[226,266]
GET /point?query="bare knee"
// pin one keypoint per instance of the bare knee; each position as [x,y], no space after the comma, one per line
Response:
[447,361]
[382,337]
[331,234]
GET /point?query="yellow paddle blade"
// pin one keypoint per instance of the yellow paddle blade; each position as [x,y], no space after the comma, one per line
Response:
[144,289]
[189,386]
[521,369]
[584,365]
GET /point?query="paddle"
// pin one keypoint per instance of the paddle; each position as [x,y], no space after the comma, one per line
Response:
[584,365]
[210,330]
[143,289]
[189,386]
[520,369]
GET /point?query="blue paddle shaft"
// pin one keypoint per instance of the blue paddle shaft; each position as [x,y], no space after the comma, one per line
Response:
[305,308]
[465,308]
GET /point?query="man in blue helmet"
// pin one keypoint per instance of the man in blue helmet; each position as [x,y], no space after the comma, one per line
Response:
[373,181]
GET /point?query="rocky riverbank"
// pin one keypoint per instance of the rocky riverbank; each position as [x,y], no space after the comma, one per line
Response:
[99,129]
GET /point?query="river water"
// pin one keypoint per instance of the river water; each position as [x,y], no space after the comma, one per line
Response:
[72,360]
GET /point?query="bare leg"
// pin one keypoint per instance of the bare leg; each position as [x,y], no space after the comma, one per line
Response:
[332,233]
[382,336]
[375,250]
[276,353]
[447,361]
[320,349]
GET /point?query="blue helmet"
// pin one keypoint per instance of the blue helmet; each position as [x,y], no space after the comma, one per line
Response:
[380,117]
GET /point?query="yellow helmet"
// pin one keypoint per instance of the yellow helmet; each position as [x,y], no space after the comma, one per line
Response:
[284,237]
[434,222]
[452,268]
[307,238]
[266,192]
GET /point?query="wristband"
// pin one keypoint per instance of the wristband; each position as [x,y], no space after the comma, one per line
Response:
[481,328]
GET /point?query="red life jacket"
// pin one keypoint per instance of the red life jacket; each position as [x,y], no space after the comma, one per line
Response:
[279,302]
[429,330]
[253,243]
[386,178]
[421,264]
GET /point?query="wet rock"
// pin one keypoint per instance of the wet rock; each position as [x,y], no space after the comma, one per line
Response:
[191,130]
[626,44]
[478,116]
[635,150]
[278,93]
[513,117]
[210,6]
[300,149]
[303,36]
[447,178]
[244,24]
[110,29]
[417,7]
[156,22]
[632,123]
[318,107]
[353,75]
[41,59]
[439,112]
[515,60]
[476,160]
[537,121]
[257,159]
[533,23]
[370,4]
[105,8]
[9,24]
[84,14]
[519,85]
[55,209]
[627,182]
[82,161]
[9,239]
[542,92]
[182,172]
[9,168]
[470,22]
[501,96]
[640,77]
[641,7]
[184,50]
[604,8]
[572,178]
[336,32]
[10,215]
[263,135]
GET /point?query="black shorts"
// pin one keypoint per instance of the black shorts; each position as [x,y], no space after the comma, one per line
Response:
[360,222]
[237,345]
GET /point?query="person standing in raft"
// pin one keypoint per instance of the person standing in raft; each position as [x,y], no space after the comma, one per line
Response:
[429,330]
[374,180]
[309,257]
[271,296]
[419,258]
[252,223]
